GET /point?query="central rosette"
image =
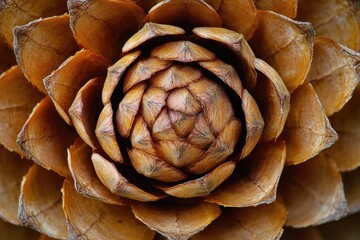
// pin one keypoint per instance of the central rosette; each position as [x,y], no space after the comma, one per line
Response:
[175,111]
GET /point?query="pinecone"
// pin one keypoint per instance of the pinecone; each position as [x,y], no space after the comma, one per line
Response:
[198,119]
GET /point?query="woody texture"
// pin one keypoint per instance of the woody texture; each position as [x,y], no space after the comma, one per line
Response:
[179,119]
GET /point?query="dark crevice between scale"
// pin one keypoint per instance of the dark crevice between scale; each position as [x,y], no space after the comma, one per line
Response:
[115,99]
[150,44]
[224,53]
[140,181]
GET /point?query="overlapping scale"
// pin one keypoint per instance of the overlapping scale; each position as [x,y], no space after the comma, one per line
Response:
[85,179]
[183,101]
[52,39]
[114,74]
[88,19]
[176,76]
[45,138]
[334,73]
[316,199]
[287,8]
[202,186]
[183,51]
[258,175]
[153,100]
[140,137]
[63,84]
[142,70]
[274,43]
[335,19]
[185,114]
[307,129]
[178,153]
[273,100]
[162,128]
[262,222]
[14,14]
[40,202]
[105,133]
[15,109]
[12,170]
[85,109]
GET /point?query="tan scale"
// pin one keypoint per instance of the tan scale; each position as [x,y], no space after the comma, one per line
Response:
[40,203]
[182,123]
[88,19]
[243,10]
[180,221]
[345,151]
[105,133]
[15,108]
[245,223]
[12,170]
[334,73]
[12,15]
[201,135]
[128,109]
[52,49]
[316,199]
[153,100]
[307,129]
[274,43]
[86,103]
[181,100]
[287,8]
[273,100]
[259,178]
[335,19]
[178,153]
[176,76]
[162,128]
[114,74]
[202,186]
[216,104]
[63,84]
[45,130]
[140,137]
